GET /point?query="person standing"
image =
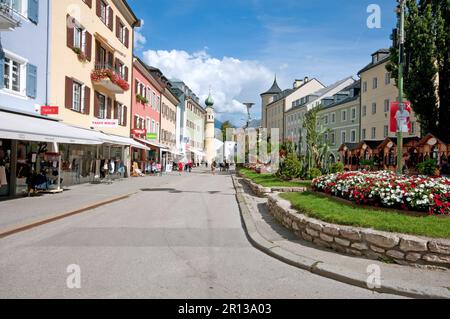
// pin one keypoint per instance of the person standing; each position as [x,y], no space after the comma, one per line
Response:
[190,166]
[213,167]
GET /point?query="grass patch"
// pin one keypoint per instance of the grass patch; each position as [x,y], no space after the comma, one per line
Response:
[270,180]
[329,210]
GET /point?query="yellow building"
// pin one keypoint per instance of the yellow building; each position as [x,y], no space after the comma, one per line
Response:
[90,77]
[378,90]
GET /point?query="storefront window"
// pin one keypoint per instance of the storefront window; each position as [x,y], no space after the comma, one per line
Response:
[5,166]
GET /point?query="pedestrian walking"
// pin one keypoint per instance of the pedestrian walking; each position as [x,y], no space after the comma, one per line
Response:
[190,166]
[213,167]
[180,167]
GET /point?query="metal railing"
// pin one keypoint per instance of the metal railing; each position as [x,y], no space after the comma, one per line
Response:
[7,9]
[107,66]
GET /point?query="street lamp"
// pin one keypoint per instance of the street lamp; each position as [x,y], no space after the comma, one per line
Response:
[249,118]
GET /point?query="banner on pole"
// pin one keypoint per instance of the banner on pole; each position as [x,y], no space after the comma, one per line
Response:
[400,121]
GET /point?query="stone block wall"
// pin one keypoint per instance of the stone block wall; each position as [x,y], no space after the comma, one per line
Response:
[400,248]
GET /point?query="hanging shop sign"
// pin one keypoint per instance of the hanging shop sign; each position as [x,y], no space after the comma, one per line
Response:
[152,136]
[104,123]
[138,131]
[49,110]
[400,120]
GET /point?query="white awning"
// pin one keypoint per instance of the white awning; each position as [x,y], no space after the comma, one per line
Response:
[32,128]
[146,142]
[196,152]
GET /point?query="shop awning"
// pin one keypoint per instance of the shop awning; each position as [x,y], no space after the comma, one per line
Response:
[121,140]
[24,127]
[196,152]
[150,143]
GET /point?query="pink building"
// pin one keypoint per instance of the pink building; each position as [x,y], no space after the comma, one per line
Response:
[145,114]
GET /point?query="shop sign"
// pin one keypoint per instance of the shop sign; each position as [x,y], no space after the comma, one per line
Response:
[49,110]
[138,131]
[105,123]
[152,136]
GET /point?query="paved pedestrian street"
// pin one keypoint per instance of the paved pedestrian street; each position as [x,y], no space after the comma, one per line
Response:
[177,237]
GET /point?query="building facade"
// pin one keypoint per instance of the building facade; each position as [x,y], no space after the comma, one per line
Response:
[378,90]
[90,80]
[145,115]
[195,130]
[340,115]
[294,117]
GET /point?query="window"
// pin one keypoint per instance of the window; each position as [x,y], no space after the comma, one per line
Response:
[364,86]
[332,138]
[78,36]
[77,97]
[153,100]
[121,116]
[147,124]
[153,127]
[387,78]
[158,106]
[333,118]
[325,120]
[354,113]
[364,110]
[374,108]
[136,121]
[104,12]
[374,83]
[374,133]
[344,116]
[386,105]
[157,129]
[101,106]
[12,75]
[343,137]
[122,31]
[363,133]
[386,131]
[353,136]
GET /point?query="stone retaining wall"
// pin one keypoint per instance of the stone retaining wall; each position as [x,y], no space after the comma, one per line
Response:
[399,248]
[261,191]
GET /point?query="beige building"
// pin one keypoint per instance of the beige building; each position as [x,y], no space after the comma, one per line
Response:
[378,90]
[276,102]
[90,77]
[92,55]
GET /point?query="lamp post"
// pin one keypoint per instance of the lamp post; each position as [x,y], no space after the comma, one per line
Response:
[400,85]
[249,118]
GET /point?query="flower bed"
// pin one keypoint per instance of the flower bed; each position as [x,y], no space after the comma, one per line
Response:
[386,189]
[101,74]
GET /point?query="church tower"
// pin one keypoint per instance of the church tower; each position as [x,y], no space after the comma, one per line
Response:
[209,130]
[266,99]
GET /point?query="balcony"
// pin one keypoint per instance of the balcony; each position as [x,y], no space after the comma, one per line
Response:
[9,18]
[106,76]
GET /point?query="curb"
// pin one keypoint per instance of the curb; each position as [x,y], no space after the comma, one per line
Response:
[27,226]
[322,269]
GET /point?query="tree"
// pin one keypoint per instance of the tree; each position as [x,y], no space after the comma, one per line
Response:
[317,148]
[427,42]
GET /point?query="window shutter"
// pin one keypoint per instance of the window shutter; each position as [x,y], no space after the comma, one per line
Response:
[99,8]
[118,21]
[127,38]
[96,105]
[70,23]
[2,67]
[88,46]
[89,3]
[69,93]
[125,116]
[33,11]
[111,19]
[87,100]
[108,108]
[31,81]
[116,110]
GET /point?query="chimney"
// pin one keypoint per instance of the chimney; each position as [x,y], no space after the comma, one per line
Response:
[297,84]
[306,79]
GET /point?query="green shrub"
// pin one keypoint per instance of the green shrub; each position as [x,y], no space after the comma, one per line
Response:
[427,167]
[290,168]
[314,173]
[337,168]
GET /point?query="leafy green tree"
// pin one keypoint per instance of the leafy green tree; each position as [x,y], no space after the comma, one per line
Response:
[427,43]
[290,167]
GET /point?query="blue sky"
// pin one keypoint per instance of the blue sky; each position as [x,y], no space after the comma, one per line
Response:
[328,40]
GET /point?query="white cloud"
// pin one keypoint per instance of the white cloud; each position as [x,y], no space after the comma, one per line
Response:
[232,81]
[139,39]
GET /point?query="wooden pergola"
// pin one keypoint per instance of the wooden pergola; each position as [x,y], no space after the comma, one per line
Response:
[431,147]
